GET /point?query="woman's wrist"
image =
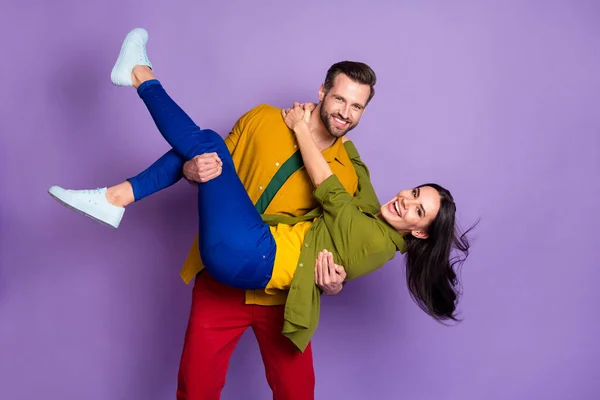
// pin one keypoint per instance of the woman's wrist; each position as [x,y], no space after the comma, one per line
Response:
[301,128]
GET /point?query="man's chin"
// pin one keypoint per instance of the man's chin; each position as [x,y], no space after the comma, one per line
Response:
[338,134]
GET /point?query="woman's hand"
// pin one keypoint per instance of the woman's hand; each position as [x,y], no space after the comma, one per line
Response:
[297,115]
[297,119]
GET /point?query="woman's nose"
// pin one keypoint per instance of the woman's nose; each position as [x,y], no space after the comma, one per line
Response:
[408,202]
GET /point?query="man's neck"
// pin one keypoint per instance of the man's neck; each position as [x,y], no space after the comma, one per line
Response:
[317,129]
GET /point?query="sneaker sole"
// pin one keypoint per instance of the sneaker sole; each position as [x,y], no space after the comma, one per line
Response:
[81,212]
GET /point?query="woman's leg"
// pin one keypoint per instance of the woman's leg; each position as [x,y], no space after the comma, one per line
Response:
[236,246]
[106,205]
[164,172]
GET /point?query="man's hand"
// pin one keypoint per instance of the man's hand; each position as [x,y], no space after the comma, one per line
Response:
[203,168]
[328,275]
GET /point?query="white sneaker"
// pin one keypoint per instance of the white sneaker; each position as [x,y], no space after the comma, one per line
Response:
[133,52]
[91,203]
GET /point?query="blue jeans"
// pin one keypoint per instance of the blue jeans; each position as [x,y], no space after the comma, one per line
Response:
[236,246]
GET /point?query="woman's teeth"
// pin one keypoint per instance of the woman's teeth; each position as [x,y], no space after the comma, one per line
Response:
[397,208]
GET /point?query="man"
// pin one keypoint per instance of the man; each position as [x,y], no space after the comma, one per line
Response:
[269,165]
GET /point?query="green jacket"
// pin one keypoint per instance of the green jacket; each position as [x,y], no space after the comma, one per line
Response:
[347,227]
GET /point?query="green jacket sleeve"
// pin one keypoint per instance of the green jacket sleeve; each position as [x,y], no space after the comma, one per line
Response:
[360,240]
[365,196]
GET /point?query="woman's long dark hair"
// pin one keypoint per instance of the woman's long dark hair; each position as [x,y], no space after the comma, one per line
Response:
[430,264]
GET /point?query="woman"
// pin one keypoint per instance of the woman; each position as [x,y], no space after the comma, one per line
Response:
[418,221]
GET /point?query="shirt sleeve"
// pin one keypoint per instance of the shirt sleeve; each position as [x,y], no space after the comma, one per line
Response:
[365,196]
[243,126]
[232,140]
[361,241]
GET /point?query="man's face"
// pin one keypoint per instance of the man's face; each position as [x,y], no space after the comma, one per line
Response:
[343,105]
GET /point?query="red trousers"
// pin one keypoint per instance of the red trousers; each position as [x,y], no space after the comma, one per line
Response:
[218,318]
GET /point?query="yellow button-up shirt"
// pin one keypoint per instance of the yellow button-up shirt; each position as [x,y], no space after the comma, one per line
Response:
[259,144]
[289,240]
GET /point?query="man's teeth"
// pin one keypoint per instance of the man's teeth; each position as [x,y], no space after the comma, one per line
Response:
[396,207]
[340,121]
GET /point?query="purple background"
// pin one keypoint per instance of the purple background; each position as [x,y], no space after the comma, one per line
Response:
[498,102]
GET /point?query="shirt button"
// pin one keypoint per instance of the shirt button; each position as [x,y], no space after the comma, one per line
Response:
[306,244]
[295,146]
[260,188]
[301,265]
[277,164]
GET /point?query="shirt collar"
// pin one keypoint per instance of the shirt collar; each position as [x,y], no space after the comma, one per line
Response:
[395,236]
[334,152]
[398,240]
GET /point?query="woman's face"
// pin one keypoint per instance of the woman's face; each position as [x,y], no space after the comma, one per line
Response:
[412,210]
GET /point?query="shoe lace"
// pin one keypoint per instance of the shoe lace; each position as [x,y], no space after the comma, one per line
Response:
[92,191]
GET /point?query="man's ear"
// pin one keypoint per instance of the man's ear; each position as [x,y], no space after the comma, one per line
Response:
[321,92]
[420,234]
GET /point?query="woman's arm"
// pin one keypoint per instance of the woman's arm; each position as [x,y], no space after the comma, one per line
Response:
[317,167]
[361,242]
[365,197]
